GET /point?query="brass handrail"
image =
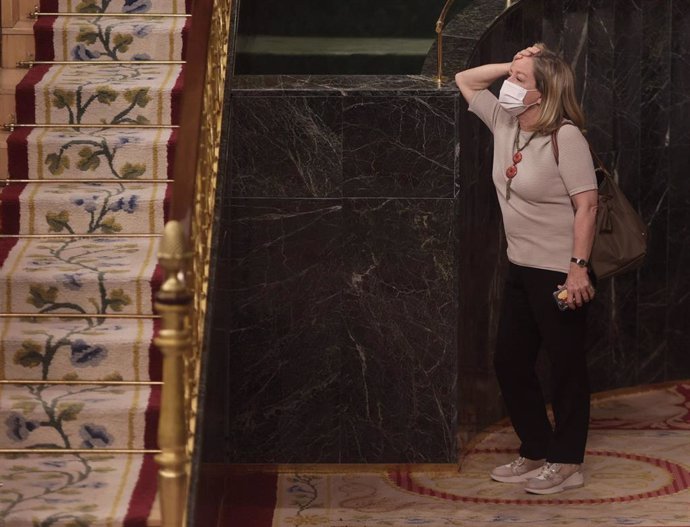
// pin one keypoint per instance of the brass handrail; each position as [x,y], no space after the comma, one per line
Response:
[186,250]
[439,40]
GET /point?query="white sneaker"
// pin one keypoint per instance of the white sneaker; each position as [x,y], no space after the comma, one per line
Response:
[517,471]
[556,477]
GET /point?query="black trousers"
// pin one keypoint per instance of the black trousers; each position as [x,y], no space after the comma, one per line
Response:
[530,320]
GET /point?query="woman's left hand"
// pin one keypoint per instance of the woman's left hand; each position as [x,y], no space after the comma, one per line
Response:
[580,290]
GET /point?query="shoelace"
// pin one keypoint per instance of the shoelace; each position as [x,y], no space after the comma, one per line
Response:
[518,462]
[548,470]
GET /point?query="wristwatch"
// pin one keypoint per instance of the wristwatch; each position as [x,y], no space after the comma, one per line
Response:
[579,262]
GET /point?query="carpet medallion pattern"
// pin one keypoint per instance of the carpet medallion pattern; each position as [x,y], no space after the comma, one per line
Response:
[637,472]
[78,263]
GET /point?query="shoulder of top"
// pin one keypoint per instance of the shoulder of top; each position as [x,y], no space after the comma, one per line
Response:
[569,129]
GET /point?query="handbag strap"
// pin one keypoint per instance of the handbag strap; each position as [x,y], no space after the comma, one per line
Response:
[554,145]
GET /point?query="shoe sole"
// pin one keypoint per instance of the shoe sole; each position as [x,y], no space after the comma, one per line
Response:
[574,481]
[516,479]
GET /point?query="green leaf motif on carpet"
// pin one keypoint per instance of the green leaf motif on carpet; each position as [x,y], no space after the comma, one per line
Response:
[118,299]
[89,160]
[132,170]
[30,355]
[122,42]
[106,95]
[62,98]
[58,221]
[87,34]
[39,296]
[139,97]
[110,226]
[88,6]
[25,406]
[57,164]
[69,411]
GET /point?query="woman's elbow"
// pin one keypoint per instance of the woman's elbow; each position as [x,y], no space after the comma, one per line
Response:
[459,80]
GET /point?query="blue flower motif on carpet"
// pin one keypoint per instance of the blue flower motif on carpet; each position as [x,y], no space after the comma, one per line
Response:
[84,354]
[137,6]
[95,436]
[71,281]
[128,206]
[18,427]
[81,52]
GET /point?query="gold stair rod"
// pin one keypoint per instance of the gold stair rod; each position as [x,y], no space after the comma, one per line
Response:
[100,451]
[76,235]
[31,63]
[5,182]
[10,127]
[80,316]
[36,13]
[81,383]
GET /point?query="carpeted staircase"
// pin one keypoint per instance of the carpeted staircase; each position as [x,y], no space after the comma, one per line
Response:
[80,219]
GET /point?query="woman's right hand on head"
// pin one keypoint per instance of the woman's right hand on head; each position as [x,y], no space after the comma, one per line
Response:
[527,52]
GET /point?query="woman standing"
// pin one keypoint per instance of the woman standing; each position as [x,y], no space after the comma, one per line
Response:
[549,212]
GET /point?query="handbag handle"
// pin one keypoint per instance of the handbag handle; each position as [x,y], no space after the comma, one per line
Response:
[554,145]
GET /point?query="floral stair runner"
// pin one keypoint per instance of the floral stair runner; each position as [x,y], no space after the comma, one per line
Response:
[108,185]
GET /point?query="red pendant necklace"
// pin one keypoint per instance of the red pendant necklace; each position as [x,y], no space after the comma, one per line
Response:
[512,170]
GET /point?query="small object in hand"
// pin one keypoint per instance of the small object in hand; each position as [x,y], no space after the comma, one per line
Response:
[561,297]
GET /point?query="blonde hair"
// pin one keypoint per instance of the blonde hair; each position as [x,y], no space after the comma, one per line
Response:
[556,82]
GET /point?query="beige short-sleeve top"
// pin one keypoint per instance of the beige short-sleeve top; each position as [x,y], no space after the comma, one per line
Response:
[538,219]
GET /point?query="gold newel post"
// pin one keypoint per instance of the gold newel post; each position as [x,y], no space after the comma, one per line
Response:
[439,41]
[173,303]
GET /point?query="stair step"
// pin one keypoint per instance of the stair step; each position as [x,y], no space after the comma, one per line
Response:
[79,275]
[84,208]
[18,43]
[9,78]
[120,153]
[85,416]
[95,489]
[92,350]
[77,38]
[13,11]
[113,94]
[136,6]
[4,160]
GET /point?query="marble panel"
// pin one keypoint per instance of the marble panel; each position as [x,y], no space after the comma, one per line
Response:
[400,359]
[552,26]
[654,287]
[680,75]
[399,147]
[656,106]
[215,402]
[284,147]
[679,263]
[627,73]
[599,95]
[284,318]
[575,35]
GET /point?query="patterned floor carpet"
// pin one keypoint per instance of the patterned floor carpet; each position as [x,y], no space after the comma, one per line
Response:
[80,222]
[637,472]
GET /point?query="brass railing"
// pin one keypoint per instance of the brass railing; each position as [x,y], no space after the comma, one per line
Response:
[439,40]
[186,250]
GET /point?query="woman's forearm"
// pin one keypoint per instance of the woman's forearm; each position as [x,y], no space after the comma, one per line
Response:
[481,77]
[583,231]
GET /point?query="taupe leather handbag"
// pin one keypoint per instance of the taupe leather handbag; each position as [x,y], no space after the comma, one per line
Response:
[620,238]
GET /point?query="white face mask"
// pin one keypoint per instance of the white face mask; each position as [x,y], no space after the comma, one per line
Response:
[512,98]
